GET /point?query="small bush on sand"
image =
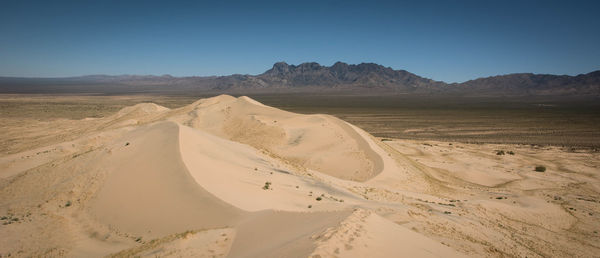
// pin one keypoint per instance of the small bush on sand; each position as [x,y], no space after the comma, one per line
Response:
[540,168]
[500,152]
[319,198]
[267,185]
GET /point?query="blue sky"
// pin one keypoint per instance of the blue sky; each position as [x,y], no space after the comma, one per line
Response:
[452,41]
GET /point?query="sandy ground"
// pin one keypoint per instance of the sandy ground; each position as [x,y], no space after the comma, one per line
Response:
[229,176]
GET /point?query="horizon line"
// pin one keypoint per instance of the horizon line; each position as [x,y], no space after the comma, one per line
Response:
[247,74]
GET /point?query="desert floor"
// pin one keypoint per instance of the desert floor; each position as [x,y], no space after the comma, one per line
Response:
[90,176]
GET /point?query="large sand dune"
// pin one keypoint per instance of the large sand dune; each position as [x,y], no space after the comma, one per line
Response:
[229,176]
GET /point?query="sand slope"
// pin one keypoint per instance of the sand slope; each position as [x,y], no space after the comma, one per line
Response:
[317,142]
[149,191]
[365,234]
[238,173]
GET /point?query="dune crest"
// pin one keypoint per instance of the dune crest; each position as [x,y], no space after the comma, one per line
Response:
[148,182]
[319,142]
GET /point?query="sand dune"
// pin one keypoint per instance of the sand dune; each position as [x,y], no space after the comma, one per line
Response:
[148,190]
[365,234]
[237,173]
[228,176]
[317,142]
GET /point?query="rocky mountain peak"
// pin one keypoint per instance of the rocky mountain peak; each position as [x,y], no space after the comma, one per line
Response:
[310,66]
[340,67]
[279,68]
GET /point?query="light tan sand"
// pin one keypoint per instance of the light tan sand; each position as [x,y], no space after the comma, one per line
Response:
[148,191]
[365,234]
[281,234]
[229,176]
[319,142]
[237,173]
[207,243]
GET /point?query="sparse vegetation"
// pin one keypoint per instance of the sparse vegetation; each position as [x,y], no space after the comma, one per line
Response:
[502,152]
[9,219]
[309,206]
[540,169]
[267,185]
[68,204]
[319,198]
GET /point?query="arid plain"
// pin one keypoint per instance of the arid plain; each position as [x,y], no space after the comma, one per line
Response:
[298,176]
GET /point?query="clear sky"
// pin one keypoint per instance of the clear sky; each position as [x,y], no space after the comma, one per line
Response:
[452,41]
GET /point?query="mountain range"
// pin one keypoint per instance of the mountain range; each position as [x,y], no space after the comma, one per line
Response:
[364,78]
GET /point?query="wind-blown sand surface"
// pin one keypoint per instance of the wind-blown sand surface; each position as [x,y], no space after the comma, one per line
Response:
[229,176]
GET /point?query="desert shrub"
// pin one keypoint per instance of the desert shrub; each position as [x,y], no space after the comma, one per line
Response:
[500,152]
[540,168]
[267,185]
[510,153]
[68,204]
[319,198]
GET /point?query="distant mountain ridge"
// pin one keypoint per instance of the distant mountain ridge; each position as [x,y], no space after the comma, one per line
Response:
[368,75]
[312,77]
